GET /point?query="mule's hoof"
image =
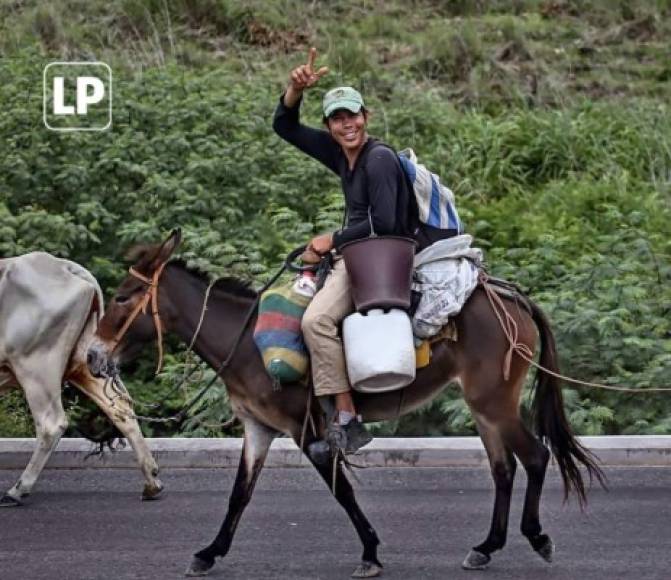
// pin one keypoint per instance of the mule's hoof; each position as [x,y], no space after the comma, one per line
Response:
[547,550]
[320,452]
[367,570]
[476,561]
[199,567]
[9,501]
[152,492]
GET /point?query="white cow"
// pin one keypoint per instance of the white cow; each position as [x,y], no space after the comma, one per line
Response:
[49,311]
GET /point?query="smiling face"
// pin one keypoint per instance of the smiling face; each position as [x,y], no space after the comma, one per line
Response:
[348,129]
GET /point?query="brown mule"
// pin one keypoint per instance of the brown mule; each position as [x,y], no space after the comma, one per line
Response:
[474,361]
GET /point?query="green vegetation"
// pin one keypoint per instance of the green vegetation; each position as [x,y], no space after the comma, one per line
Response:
[549,119]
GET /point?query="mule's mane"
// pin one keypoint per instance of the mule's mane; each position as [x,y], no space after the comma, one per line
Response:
[228,284]
[143,255]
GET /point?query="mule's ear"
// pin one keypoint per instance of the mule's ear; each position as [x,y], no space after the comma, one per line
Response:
[169,246]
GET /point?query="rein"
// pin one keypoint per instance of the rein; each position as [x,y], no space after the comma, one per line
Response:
[151,294]
[509,327]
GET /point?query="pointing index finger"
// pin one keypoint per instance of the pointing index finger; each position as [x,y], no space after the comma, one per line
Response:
[311,58]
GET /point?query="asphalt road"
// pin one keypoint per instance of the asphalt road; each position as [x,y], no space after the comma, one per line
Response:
[90,524]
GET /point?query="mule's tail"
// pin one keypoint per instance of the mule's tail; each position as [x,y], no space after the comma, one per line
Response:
[550,421]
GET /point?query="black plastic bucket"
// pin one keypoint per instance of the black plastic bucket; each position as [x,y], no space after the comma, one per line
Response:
[380,271]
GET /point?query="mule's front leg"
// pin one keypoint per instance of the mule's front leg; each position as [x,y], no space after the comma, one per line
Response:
[370,566]
[257,440]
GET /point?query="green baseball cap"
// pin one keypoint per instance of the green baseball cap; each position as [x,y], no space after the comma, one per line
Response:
[342,98]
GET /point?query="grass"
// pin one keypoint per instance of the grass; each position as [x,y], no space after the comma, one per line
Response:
[482,53]
[15,419]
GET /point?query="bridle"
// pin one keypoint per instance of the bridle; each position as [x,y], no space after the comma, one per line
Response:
[150,296]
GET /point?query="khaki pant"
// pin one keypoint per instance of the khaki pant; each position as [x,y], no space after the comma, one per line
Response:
[321,322]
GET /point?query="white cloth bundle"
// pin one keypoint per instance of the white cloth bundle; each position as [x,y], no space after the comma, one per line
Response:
[446,273]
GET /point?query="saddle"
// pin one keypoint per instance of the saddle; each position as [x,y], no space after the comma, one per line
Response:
[508,290]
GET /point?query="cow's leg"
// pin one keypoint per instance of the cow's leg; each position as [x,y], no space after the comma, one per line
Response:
[44,400]
[255,447]
[119,409]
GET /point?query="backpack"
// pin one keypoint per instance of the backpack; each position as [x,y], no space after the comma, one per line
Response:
[434,216]
[435,201]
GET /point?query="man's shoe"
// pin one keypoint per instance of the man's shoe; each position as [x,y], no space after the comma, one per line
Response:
[357,436]
[348,438]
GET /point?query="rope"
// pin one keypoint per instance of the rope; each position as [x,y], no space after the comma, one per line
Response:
[202,315]
[509,327]
[223,426]
[304,429]
[336,456]
[187,373]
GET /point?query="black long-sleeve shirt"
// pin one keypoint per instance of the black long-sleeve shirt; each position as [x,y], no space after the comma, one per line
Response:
[376,181]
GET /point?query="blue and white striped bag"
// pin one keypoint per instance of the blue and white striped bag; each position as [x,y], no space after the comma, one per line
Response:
[435,201]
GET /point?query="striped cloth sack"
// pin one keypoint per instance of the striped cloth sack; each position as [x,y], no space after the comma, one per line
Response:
[435,201]
[278,335]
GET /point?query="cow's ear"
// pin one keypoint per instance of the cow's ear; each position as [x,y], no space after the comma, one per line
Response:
[168,247]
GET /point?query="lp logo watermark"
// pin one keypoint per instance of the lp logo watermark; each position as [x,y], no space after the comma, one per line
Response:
[77,96]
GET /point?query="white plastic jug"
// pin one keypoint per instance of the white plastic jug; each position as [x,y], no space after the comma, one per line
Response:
[379,350]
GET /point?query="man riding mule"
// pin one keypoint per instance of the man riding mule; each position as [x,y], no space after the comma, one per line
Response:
[49,310]
[377,199]
[475,362]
